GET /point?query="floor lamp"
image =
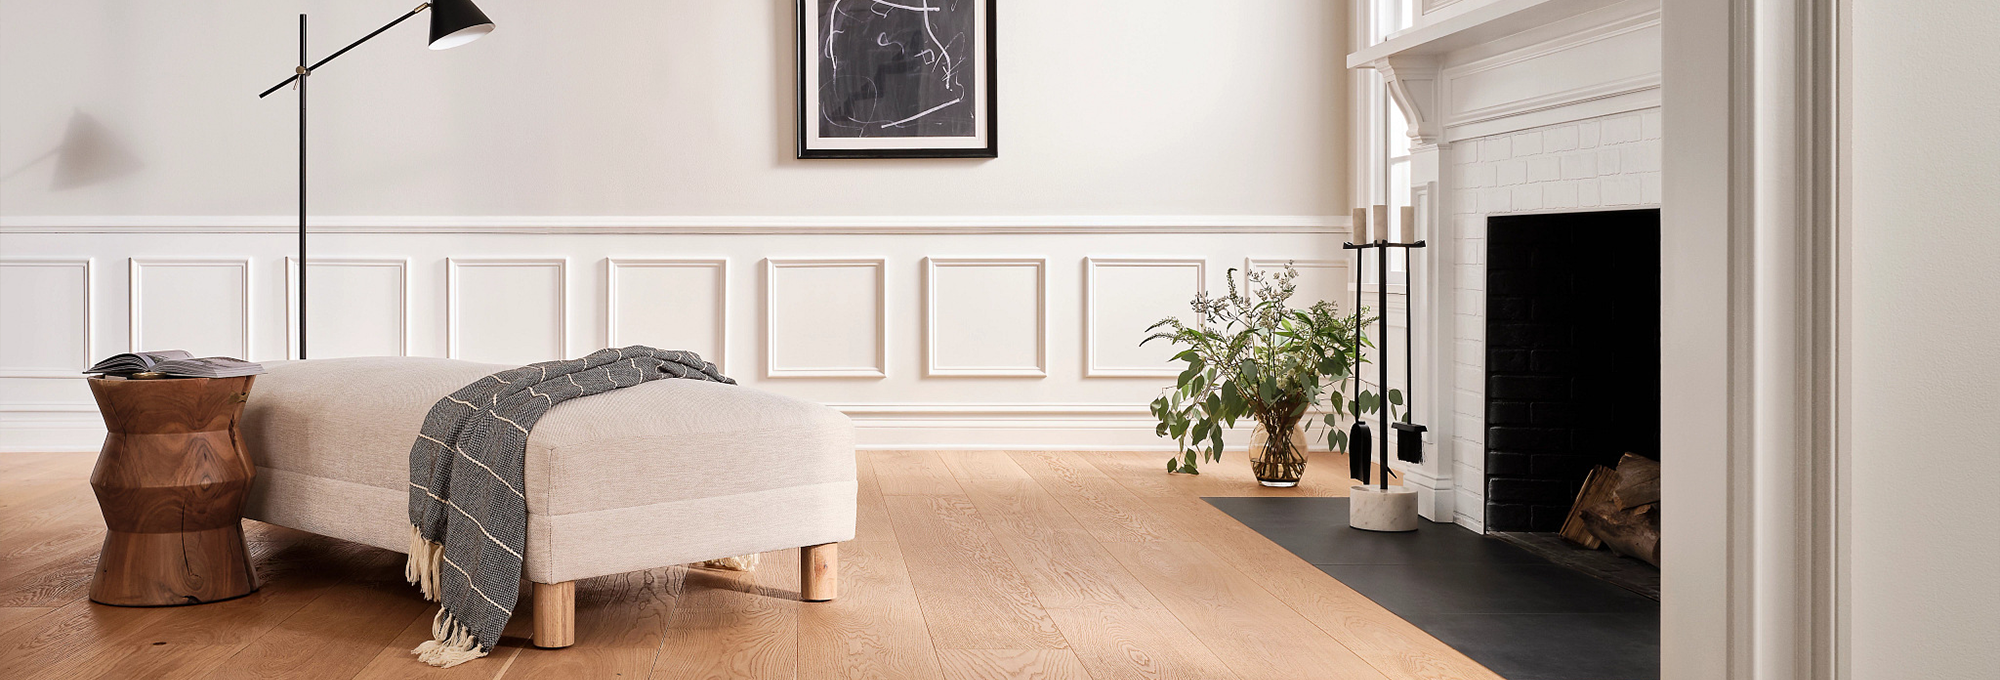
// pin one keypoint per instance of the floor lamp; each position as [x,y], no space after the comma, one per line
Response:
[453,23]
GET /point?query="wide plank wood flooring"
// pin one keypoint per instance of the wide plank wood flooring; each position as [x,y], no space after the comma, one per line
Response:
[966,565]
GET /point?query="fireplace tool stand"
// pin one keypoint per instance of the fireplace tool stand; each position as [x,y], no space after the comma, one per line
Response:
[1383,507]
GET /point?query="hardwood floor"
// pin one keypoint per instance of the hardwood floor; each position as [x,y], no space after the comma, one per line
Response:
[971,565]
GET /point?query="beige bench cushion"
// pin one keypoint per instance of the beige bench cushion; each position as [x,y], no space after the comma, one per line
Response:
[332,440]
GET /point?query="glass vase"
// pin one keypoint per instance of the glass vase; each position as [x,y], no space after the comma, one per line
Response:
[1278,460]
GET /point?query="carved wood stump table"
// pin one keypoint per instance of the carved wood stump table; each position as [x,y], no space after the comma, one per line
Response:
[171,481]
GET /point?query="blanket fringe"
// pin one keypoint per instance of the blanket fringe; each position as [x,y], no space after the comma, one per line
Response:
[738,563]
[452,643]
[421,569]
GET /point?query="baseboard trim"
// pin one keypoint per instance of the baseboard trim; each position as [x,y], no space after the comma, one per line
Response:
[50,427]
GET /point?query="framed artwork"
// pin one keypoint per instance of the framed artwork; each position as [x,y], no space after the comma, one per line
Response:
[896,79]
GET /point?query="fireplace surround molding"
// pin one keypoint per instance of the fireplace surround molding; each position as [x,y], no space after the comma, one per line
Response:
[1513,106]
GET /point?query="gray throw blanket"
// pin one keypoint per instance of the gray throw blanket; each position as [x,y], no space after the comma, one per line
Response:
[468,512]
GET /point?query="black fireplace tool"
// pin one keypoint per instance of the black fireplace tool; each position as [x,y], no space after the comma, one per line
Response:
[1360,442]
[1409,435]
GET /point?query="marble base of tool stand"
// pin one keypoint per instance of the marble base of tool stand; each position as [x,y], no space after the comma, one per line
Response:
[1378,509]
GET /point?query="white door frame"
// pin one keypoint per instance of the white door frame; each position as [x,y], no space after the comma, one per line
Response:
[1753,313]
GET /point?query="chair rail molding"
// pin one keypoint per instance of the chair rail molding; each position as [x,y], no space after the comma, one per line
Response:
[746,225]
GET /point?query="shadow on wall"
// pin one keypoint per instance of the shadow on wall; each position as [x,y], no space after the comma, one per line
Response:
[88,154]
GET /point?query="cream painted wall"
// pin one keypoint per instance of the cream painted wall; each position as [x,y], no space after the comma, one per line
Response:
[627,166]
[664,107]
[1925,362]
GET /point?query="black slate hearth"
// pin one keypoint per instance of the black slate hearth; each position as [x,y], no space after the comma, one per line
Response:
[1518,614]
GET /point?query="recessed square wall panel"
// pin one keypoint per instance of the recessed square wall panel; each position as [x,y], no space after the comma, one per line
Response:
[986,316]
[507,311]
[1328,280]
[825,318]
[358,308]
[1123,296]
[202,306]
[669,304]
[45,305]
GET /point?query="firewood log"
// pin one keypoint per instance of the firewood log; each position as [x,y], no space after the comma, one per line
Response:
[1633,531]
[1596,488]
[1638,481]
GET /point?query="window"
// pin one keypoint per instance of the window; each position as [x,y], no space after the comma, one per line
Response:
[1392,16]
[1387,137]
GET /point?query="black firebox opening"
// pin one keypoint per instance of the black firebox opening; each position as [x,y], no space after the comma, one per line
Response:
[1572,356]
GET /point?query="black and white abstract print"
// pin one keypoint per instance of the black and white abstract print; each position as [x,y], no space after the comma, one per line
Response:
[897,69]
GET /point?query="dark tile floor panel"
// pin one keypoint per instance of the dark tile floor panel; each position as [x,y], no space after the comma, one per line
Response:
[1517,613]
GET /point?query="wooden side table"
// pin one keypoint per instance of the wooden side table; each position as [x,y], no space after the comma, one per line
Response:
[171,481]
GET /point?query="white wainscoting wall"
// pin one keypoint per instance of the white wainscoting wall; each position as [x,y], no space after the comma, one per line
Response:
[931,333]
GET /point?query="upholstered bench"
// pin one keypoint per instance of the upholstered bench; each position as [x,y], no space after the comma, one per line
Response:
[664,473]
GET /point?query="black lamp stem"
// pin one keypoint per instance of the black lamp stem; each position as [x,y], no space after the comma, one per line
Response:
[464,14]
[301,77]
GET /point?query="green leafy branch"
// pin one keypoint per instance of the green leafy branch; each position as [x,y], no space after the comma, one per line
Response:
[1251,356]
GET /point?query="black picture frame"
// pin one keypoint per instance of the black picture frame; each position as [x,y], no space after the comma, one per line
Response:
[985,114]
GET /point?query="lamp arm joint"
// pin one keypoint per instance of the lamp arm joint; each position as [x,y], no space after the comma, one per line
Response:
[307,70]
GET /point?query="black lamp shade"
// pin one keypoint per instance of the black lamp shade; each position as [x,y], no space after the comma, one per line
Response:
[457,22]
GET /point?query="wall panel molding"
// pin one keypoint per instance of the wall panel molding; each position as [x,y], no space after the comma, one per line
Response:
[455,288]
[137,299]
[854,335]
[616,337]
[1094,304]
[402,298]
[934,268]
[773,335]
[87,303]
[1338,269]
[883,225]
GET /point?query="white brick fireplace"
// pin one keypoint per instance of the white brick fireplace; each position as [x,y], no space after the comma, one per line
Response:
[1513,106]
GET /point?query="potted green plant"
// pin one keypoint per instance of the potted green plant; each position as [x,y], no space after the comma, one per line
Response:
[1250,356]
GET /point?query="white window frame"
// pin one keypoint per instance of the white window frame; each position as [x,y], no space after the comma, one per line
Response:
[1379,20]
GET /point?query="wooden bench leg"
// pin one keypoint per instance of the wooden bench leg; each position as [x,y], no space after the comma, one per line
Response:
[819,572]
[555,614]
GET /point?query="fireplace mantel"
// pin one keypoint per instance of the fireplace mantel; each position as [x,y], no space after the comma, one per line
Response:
[1471,22]
[1477,68]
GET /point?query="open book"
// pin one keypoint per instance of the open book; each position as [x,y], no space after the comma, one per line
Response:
[178,363]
